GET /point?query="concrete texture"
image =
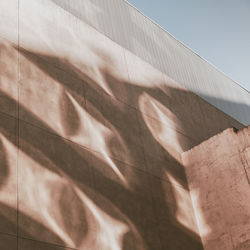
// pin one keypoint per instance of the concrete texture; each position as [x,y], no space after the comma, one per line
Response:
[8,242]
[219,187]
[8,170]
[9,20]
[8,78]
[91,140]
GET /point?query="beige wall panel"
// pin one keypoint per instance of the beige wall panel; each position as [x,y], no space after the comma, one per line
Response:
[65,190]
[161,98]
[9,20]
[8,242]
[52,99]
[143,79]
[74,197]
[113,129]
[26,244]
[8,77]
[125,193]
[72,45]
[162,147]
[48,96]
[174,215]
[55,180]
[154,210]
[8,175]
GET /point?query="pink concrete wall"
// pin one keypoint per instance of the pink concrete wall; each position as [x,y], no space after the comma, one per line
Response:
[91,140]
[218,173]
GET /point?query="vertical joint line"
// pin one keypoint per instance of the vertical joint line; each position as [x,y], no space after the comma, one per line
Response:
[17,130]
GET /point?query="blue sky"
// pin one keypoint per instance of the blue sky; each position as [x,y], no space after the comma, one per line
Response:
[218,30]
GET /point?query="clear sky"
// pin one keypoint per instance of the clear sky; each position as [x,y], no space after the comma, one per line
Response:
[217,30]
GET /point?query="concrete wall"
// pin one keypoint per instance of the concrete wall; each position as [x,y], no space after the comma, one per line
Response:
[219,187]
[91,138]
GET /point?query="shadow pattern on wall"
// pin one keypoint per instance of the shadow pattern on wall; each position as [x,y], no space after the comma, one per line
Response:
[94,172]
[142,37]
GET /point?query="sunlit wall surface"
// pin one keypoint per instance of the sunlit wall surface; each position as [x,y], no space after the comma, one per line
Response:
[91,138]
[125,25]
